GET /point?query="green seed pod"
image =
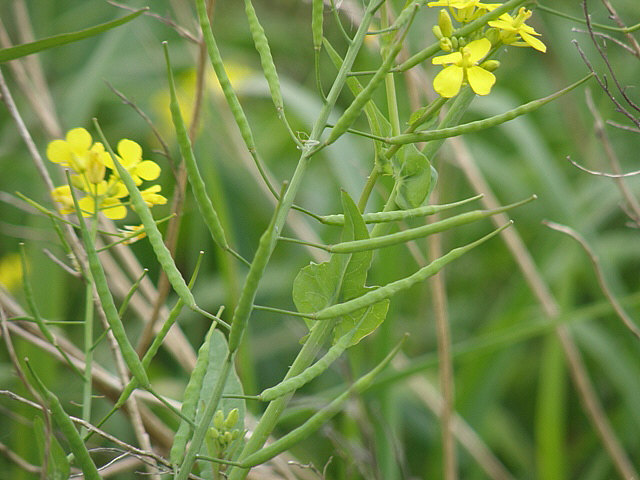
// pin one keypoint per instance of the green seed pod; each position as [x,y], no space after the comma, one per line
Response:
[218,420]
[490,65]
[232,419]
[437,32]
[446,44]
[444,21]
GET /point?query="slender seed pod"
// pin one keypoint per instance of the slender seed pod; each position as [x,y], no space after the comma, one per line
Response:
[394,215]
[478,125]
[155,237]
[317,18]
[106,299]
[320,418]
[418,232]
[268,66]
[351,113]
[248,294]
[68,429]
[294,383]
[190,399]
[153,348]
[195,179]
[391,289]
[229,94]
[266,60]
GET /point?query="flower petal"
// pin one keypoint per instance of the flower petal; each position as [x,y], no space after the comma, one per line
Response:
[130,152]
[534,42]
[478,49]
[481,80]
[87,205]
[454,57]
[448,82]
[59,151]
[79,140]
[148,170]
[113,209]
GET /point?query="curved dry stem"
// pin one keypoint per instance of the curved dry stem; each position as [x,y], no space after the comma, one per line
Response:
[617,307]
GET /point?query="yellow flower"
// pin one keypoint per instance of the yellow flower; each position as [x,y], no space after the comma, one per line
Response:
[463,67]
[510,28]
[62,195]
[131,229]
[106,197]
[130,156]
[151,196]
[79,153]
[11,271]
[465,10]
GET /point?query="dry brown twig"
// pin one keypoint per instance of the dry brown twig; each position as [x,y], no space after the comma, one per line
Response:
[617,307]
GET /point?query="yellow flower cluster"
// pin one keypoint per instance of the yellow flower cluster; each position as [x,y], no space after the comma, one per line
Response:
[467,64]
[96,175]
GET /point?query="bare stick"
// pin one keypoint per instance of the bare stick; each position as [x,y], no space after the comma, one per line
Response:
[626,320]
[612,157]
[603,174]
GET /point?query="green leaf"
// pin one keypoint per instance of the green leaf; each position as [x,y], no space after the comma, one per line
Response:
[22,50]
[416,177]
[343,277]
[58,467]
[318,285]
[354,281]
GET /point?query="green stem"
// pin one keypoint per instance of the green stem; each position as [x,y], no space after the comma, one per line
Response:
[88,342]
[256,271]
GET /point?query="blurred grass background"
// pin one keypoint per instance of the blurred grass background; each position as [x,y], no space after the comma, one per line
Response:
[511,378]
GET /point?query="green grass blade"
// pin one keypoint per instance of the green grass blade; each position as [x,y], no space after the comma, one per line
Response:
[18,51]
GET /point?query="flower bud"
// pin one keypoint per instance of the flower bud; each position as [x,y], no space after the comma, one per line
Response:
[218,420]
[232,419]
[444,21]
[493,35]
[490,65]
[455,44]
[437,32]
[213,433]
[445,44]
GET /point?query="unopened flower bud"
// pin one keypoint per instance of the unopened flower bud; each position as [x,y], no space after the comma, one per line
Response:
[490,65]
[218,420]
[455,44]
[445,44]
[493,35]
[213,432]
[437,32]
[444,22]
[232,419]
